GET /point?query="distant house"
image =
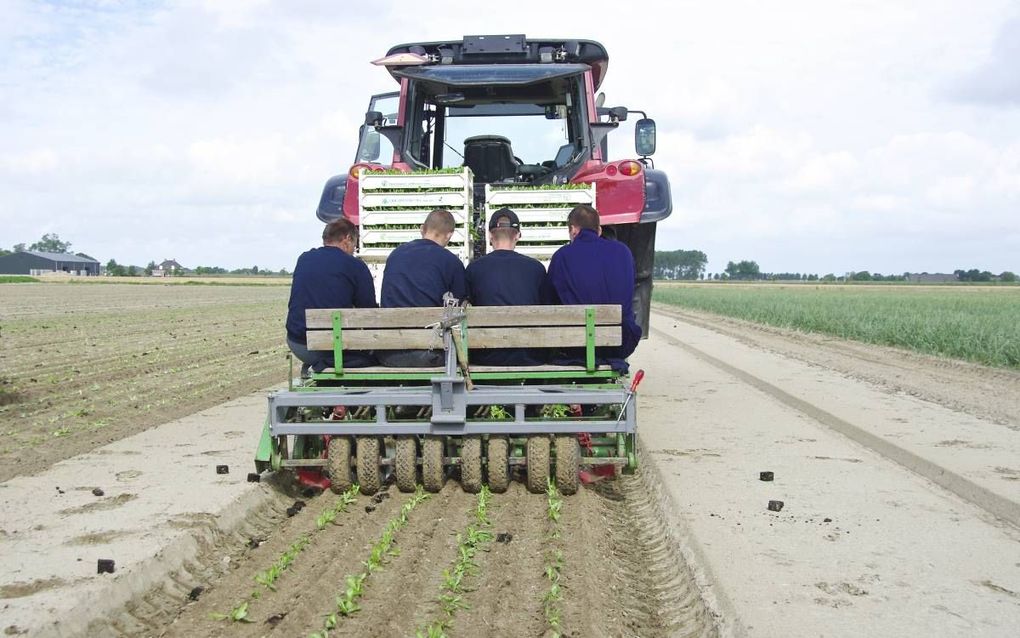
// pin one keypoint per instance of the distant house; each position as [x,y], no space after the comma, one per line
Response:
[932,278]
[168,268]
[33,262]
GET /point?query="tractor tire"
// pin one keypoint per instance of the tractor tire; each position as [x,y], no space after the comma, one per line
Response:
[497,463]
[338,464]
[406,470]
[537,454]
[471,464]
[432,476]
[369,474]
[568,463]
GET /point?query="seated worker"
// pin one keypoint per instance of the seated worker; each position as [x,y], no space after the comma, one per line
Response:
[504,277]
[328,277]
[593,270]
[417,275]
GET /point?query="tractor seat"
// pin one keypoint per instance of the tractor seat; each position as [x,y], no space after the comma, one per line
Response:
[490,158]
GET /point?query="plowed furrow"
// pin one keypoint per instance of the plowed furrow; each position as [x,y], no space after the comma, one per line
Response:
[403,594]
[507,594]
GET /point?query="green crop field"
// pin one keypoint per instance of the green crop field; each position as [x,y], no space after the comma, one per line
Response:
[973,323]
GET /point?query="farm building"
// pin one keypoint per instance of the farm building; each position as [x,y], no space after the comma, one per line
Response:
[168,268]
[32,262]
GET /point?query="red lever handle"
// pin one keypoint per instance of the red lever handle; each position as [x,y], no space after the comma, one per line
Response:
[640,374]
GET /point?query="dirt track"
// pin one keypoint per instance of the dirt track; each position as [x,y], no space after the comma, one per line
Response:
[686,547]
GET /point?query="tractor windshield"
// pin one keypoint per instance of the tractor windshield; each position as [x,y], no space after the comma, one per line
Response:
[507,123]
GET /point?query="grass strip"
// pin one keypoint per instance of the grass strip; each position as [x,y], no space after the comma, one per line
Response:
[347,602]
[18,279]
[268,577]
[552,598]
[958,322]
[474,538]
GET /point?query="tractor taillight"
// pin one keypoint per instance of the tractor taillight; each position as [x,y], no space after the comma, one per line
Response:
[630,168]
[610,170]
[357,168]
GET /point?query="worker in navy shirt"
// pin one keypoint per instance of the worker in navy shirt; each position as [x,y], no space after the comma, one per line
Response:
[593,270]
[504,277]
[417,275]
[328,277]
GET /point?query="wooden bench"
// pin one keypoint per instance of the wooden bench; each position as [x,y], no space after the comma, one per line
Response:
[482,327]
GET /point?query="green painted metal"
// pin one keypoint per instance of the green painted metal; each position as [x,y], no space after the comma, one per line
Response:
[276,459]
[477,376]
[264,452]
[589,338]
[338,342]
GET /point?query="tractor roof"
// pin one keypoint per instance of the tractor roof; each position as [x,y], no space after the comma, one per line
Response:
[505,49]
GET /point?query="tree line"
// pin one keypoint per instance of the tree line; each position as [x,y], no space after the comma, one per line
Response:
[690,265]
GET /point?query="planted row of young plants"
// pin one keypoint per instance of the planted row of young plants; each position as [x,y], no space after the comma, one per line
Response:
[473,539]
[553,597]
[347,601]
[267,577]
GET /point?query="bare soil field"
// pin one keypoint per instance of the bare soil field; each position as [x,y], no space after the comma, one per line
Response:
[83,365]
[898,473]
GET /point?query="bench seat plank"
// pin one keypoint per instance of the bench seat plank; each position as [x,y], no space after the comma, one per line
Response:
[477,316]
[474,368]
[507,337]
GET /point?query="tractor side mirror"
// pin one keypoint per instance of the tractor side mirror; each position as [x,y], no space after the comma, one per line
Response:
[644,137]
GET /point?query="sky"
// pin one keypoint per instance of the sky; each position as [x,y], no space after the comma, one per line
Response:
[807,136]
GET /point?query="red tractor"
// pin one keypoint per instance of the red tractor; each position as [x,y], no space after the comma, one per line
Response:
[519,114]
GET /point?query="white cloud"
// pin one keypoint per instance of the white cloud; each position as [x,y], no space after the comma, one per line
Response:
[807,136]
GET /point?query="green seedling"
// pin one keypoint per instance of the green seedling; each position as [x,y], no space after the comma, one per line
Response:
[497,413]
[237,614]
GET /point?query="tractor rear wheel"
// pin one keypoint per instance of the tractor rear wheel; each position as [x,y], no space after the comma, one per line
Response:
[568,461]
[406,470]
[537,454]
[497,462]
[432,463]
[338,464]
[369,476]
[471,464]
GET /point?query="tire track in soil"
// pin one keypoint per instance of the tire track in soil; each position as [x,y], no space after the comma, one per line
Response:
[399,598]
[622,576]
[506,596]
[307,589]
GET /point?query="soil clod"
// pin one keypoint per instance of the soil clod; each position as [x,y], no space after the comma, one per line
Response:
[105,566]
[195,593]
[766,476]
[98,492]
[504,537]
[222,469]
[275,619]
[775,506]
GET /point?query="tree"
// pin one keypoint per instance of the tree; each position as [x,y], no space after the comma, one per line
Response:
[50,243]
[1007,276]
[743,270]
[132,271]
[4,252]
[680,264]
[114,269]
[864,275]
[19,248]
[150,268]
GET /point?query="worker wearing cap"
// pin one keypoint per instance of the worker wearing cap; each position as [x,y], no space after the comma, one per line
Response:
[504,277]
[417,275]
[593,270]
[328,277]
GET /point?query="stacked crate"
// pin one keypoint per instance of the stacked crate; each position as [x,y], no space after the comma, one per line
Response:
[542,211]
[392,208]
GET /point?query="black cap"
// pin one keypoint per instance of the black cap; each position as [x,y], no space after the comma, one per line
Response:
[504,218]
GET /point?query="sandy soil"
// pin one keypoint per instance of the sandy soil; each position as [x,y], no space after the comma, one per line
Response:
[898,476]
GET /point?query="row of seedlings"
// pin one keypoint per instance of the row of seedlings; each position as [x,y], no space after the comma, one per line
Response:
[347,601]
[268,576]
[473,539]
[553,597]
